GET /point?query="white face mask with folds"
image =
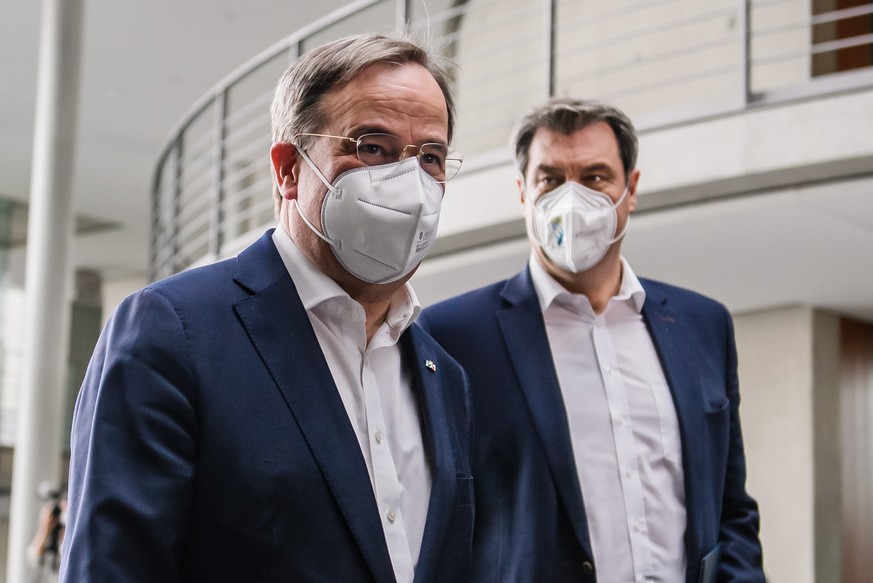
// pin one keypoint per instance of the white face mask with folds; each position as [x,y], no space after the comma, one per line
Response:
[380,221]
[575,225]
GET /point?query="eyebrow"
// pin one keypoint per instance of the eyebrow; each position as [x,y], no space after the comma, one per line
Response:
[375,129]
[549,169]
[599,166]
[369,129]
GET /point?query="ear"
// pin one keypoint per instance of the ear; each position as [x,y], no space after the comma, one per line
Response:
[632,182]
[519,183]
[285,164]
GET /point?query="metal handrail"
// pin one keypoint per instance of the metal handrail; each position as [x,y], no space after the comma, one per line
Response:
[660,66]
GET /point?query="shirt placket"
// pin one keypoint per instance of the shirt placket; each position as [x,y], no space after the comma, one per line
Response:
[387,487]
[625,449]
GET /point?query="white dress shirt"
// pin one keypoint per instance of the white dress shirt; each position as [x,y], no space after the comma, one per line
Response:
[376,388]
[624,430]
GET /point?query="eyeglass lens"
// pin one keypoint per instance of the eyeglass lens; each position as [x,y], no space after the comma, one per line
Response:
[438,160]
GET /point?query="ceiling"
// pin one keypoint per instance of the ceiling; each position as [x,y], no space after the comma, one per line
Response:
[143,65]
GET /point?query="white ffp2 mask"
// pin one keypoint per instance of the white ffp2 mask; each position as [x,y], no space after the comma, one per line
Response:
[380,221]
[575,225]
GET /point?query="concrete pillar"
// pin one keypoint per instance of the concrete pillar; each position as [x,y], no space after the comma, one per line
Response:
[789,382]
[47,277]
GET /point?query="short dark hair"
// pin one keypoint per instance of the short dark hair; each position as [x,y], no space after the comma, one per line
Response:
[565,115]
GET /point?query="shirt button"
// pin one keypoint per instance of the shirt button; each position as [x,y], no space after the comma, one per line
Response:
[378,437]
[628,473]
[391,516]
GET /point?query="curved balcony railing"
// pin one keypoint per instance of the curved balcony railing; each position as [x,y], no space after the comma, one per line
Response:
[663,61]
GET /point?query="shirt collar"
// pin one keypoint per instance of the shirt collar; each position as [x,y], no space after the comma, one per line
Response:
[315,288]
[548,288]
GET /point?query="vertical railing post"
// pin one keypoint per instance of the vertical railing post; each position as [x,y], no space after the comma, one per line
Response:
[154,233]
[550,24]
[220,104]
[402,10]
[174,259]
[745,29]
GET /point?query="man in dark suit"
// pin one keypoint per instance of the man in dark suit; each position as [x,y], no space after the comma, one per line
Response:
[608,444]
[279,416]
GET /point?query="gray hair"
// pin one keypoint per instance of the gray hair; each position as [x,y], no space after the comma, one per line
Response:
[297,103]
[564,115]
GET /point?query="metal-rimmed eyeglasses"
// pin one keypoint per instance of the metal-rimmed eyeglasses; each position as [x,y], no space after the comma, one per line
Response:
[440,161]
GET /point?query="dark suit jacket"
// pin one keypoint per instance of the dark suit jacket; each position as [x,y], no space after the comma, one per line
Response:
[530,516]
[210,443]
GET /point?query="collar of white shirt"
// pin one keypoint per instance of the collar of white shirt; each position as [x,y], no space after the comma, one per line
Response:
[548,289]
[317,291]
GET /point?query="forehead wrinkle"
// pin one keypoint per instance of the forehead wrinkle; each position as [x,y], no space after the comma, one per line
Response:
[575,152]
[393,103]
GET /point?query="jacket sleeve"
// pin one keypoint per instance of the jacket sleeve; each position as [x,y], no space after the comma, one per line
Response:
[741,556]
[133,450]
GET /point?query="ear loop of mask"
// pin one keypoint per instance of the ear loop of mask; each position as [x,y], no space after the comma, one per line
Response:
[627,221]
[330,188]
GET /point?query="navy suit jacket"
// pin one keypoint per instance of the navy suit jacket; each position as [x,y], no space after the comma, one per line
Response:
[210,443]
[530,516]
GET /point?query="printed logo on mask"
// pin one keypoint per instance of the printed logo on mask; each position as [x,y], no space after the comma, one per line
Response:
[423,240]
[557,225]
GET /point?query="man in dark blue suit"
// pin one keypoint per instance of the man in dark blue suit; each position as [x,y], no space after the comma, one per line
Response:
[279,416]
[608,444]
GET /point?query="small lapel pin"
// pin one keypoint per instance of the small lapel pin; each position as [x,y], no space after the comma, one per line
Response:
[430,364]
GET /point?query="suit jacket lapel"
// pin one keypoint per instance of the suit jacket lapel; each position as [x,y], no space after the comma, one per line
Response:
[524,333]
[280,329]
[440,448]
[669,335]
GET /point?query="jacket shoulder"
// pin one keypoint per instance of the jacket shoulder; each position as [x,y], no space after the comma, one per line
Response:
[198,278]
[659,291]
[255,268]
[471,303]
